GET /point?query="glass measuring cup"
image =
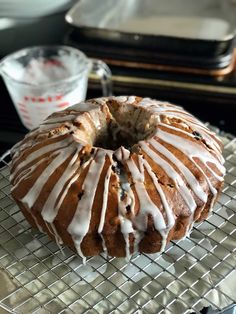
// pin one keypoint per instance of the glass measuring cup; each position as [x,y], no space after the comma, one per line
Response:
[45,79]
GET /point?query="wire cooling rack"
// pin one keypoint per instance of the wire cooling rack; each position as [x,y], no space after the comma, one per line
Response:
[37,277]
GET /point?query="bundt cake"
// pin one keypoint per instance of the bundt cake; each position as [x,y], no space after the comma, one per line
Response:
[117,175]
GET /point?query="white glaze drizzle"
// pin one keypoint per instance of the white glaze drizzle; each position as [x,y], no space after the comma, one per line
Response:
[189,149]
[104,206]
[52,146]
[55,233]
[50,210]
[170,171]
[33,193]
[177,112]
[168,210]
[214,144]
[122,154]
[120,99]
[213,190]
[25,174]
[83,107]
[45,128]
[126,229]
[146,205]
[192,150]
[130,100]
[79,225]
[189,229]
[125,223]
[36,221]
[190,178]
[57,120]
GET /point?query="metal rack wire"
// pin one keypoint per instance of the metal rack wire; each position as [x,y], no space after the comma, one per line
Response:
[37,277]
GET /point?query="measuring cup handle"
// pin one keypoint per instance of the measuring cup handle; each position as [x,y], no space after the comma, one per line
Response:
[102,70]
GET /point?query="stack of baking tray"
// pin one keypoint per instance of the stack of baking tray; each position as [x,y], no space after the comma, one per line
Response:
[182,38]
[182,52]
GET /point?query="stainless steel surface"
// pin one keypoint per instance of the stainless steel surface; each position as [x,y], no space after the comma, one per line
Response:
[37,277]
[207,20]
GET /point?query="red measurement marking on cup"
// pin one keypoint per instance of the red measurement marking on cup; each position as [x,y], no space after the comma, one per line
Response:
[43,99]
[63,104]
[58,97]
[21,105]
[22,109]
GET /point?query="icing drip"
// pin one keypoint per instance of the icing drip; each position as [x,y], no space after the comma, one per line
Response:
[213,190]
[122,154]
[36,221]
[211,143]
[52,229]
[170,171]
[120,98]
[193,150]
[169,212]
[130,100]
[104,206]
[126,200]
[94,119]
[83,107]
[52,120]
[50,210]
[39,153]
[45,128]
[171,111]
[31,196]
[79,225]
[189,230]
[189,149]
[126,224]
[126,229]
[71,181]
[25,174]
[147,207]
[190,178]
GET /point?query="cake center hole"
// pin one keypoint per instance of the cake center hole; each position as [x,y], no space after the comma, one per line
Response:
[126,130]
[114,137]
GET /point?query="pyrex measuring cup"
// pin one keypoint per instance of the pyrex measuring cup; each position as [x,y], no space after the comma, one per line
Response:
[44,79]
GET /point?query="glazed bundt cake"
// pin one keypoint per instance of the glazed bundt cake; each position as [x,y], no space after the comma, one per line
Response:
[117,175]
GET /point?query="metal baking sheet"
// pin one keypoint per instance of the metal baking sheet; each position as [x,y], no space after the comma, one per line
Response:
[37,277]
[182,26]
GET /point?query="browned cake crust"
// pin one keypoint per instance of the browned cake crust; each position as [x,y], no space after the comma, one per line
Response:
[119,175]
